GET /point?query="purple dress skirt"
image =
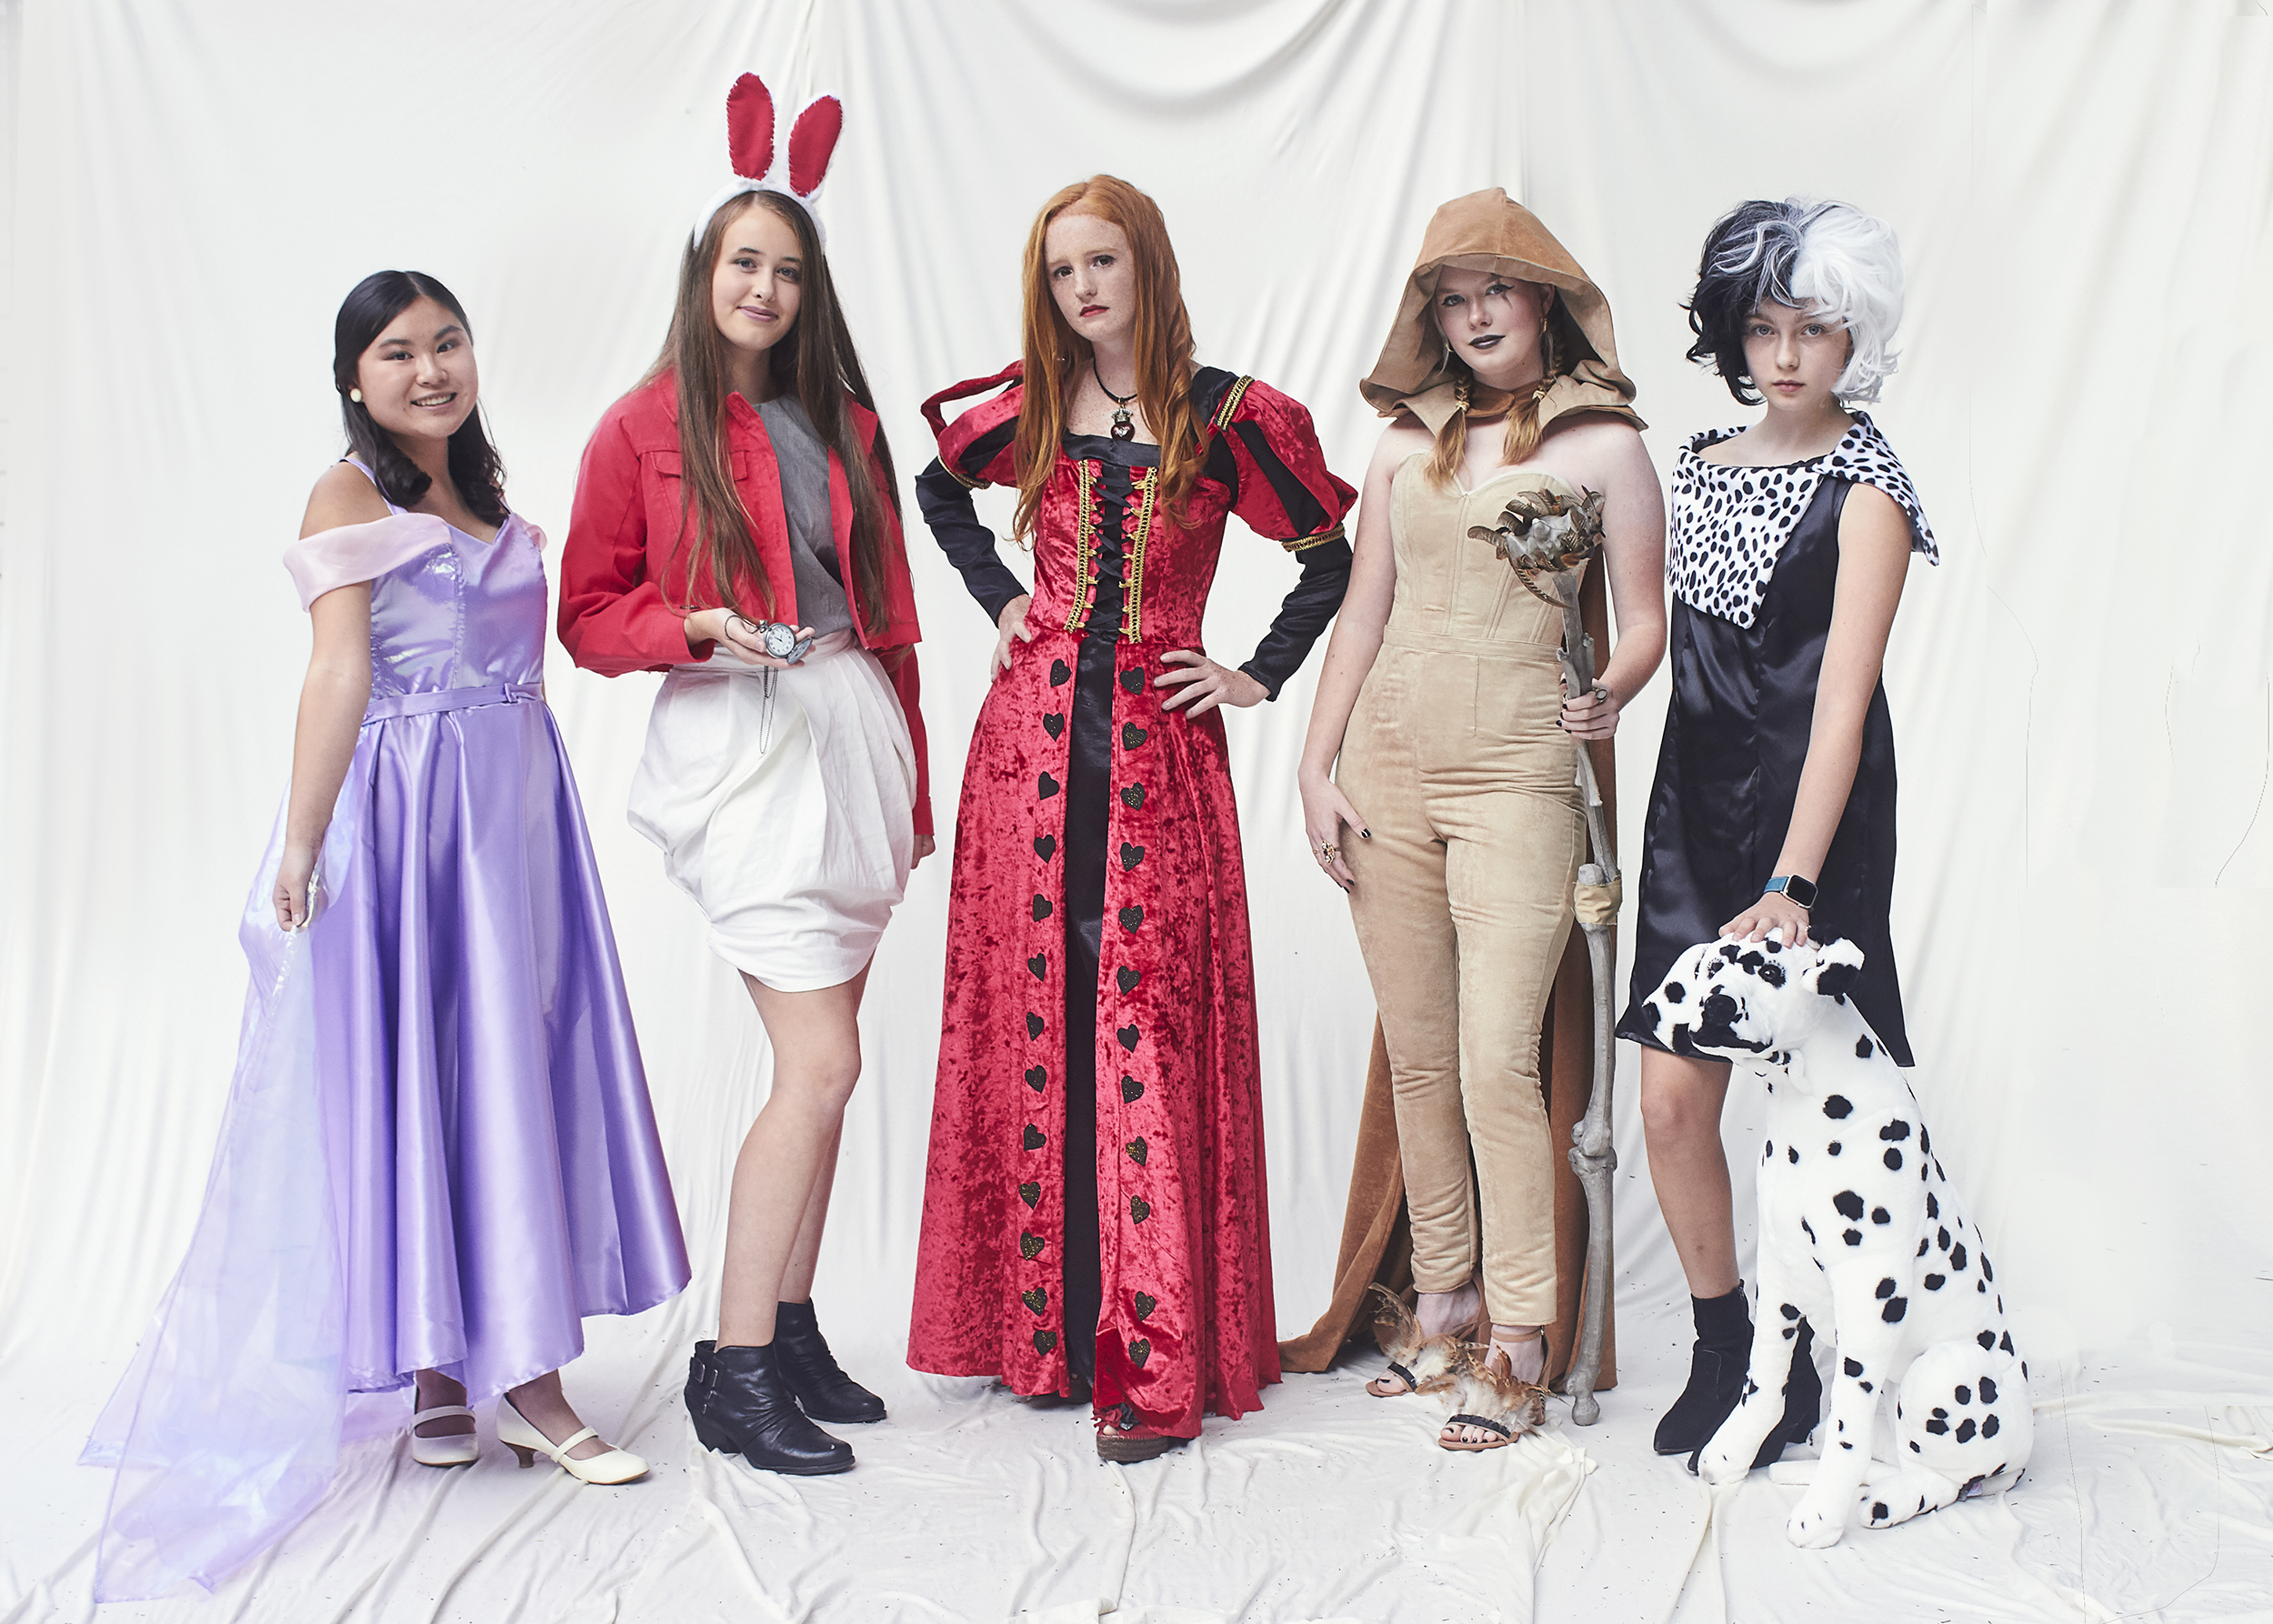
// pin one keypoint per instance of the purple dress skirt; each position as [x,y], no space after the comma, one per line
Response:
[438,1150]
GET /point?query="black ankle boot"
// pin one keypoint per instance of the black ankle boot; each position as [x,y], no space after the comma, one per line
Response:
[1803,1399]
[811,1370]
[1716,1373]
[740,1404]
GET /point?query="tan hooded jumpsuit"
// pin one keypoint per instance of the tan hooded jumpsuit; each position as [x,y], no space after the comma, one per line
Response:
[1454,758]
[1463,896]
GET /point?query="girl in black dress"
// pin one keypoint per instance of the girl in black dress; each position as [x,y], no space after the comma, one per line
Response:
[1774,805]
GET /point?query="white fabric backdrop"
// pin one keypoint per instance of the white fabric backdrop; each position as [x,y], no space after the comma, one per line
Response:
[2082,694]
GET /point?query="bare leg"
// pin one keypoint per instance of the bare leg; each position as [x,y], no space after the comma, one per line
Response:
[815,1038]
[796,1285]
[1681,1102]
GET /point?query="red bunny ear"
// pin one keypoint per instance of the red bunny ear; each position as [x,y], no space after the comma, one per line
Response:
[811,141]
[750,127]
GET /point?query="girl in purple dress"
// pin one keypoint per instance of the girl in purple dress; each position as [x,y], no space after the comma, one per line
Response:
[440,1153]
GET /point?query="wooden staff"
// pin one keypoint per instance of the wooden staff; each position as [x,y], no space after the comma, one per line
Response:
[1562,537]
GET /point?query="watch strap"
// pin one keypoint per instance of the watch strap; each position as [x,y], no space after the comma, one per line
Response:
[1801,891]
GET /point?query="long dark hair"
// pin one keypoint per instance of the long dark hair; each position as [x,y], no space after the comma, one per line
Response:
[476,468]
[816,361]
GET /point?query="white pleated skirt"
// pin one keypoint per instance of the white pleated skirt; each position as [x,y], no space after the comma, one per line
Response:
[784,804]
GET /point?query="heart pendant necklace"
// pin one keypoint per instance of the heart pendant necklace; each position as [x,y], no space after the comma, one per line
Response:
[1123,428]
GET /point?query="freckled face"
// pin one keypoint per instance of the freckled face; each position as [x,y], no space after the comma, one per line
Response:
[1091,275]
[418,380]
[1796,357]
[757,287]
[1492,323]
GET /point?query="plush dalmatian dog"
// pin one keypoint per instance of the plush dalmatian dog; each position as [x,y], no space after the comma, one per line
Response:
[1859,1234]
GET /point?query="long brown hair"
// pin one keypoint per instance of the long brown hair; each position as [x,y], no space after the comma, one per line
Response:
[814,360]
[1055,354]
[1524,427]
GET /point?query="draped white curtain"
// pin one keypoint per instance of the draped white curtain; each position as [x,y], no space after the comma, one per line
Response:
[2082,696]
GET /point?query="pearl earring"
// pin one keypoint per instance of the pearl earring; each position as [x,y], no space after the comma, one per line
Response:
[356,395]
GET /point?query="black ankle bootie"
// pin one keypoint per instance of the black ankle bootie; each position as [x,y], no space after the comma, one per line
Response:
[1716,1374]
[740,1404]
[812,1372]
[1803,1404]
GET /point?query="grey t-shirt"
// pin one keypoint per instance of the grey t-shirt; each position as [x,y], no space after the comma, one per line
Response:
[803,460]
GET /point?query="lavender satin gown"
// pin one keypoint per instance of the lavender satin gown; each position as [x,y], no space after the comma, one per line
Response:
[438,1151]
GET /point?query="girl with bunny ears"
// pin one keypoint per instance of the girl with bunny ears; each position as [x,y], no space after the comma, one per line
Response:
[735,527]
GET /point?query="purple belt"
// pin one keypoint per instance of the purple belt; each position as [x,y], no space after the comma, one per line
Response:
[420,705]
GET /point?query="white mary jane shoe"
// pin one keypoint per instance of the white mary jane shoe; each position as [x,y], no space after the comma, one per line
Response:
[452,1448]
[514,1431]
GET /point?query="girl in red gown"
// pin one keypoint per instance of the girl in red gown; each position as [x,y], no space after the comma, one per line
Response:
[1096,1217]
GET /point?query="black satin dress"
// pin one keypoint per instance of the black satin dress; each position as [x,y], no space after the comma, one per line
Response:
[1728,772]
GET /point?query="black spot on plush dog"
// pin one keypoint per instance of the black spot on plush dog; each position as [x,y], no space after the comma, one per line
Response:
[1961,1418]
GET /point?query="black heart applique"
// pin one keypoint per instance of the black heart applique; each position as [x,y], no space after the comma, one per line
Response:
[1136,1150]
[1139,1210]
[1054,724]
[1046,847]
[1037,1300]
[1130,1090]
[1132,918]
[1042,907]
[1045,1340]
[1060,674]
[1031,1248]
[1132,736]
[1128,978]
[1139,1351]
[1033,1025]
[1047,787]
[1146,1305]
[1034,1138]
[1132,679]
[1040,964]
[1037,1078]
[1131,856]
[1129,1034]
[1133,796]
[1031,1193]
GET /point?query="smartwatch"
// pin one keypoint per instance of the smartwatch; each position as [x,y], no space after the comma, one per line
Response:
[1802,891]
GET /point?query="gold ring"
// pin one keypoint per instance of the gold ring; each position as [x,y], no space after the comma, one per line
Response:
[1329,852]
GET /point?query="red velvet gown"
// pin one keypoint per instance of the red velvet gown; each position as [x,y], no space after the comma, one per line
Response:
[1097,1140]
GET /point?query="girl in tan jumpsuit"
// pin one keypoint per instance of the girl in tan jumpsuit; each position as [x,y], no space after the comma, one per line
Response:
[1453,820]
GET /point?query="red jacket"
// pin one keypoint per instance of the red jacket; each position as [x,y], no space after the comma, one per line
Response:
[623,568]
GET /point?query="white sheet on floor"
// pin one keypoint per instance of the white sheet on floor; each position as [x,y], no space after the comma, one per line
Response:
[2081,696]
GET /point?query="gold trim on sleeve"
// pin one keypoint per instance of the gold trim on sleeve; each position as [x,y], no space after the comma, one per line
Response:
[1231,399]
[963,479]
[1302,544]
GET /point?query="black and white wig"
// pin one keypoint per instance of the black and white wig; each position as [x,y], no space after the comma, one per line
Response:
[1827,257]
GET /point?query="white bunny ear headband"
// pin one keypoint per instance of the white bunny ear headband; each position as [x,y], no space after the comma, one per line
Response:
[750,144]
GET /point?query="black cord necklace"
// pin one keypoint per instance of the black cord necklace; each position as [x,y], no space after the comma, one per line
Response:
[1123,428]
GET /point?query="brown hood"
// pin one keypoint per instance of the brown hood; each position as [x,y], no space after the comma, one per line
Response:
[1486,231]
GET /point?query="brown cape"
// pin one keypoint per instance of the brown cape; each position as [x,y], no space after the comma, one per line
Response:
[1487,231]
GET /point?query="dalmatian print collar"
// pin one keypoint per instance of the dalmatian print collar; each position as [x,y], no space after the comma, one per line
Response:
[1729,523]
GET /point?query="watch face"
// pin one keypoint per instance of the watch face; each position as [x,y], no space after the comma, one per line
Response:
[781,641]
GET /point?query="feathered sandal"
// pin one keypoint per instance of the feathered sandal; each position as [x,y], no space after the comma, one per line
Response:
[1485,1396]
[1415,1361]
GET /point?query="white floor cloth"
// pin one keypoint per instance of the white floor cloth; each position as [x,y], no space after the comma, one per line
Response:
[2085,197]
